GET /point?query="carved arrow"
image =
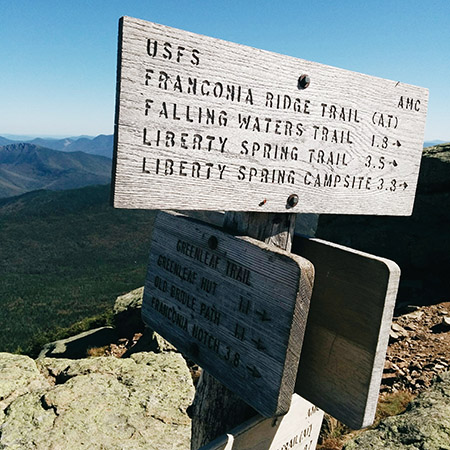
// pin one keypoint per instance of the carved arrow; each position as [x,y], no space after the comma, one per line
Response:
[254,371]
[264,316]
[259,344]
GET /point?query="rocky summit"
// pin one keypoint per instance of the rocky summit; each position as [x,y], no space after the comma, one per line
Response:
[97,403]
[425,425]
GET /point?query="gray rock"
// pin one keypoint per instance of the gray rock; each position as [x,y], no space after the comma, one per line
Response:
[442,327]
[77,346]
[419,244]
[425,425]
[128,321]
[18,375]
[103,403]
[127,313]
[397,332]
[150,341]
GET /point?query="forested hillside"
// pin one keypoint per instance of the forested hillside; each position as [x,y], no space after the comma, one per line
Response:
[64,256]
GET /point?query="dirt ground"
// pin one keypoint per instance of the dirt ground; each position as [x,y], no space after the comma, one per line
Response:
[419,348]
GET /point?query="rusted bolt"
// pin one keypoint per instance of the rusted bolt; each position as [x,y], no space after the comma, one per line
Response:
[303,81]
[213,242]
[292,200]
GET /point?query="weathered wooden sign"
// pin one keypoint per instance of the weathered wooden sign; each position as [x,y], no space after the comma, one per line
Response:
[234,305]
[297,430]
[242,129]
[347,332]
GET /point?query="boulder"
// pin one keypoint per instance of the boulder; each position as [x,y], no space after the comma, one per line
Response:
[419,244]
[127,313]
[425,425]
[102,403]
[434,176]
[18,375]
[150,341]
[128,322]
[77,346]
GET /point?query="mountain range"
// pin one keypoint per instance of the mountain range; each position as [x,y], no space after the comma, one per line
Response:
[427,144]
[55,164]
[26,167]
[101,145]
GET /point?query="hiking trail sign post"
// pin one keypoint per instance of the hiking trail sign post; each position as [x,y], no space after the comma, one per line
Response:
[204,124]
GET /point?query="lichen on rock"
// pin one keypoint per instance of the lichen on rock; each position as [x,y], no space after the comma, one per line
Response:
[102,403]
[425,425]
[18,375]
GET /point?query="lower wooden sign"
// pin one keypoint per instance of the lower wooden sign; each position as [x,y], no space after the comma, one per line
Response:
[347,332]
[234,305]
[297,430]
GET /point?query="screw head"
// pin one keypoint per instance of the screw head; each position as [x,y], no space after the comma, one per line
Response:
[292,200]
[303,81]
[213,242]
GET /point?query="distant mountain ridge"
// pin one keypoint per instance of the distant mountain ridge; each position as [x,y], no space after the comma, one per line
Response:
[5,141]
[427,144]
[101,145]
[27,167]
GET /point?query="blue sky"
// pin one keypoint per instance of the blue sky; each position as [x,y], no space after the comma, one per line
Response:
[58,57]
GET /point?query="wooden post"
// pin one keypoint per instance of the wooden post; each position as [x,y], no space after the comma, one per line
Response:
[216,409]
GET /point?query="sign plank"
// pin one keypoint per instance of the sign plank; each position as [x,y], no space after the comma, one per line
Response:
[347,332]
[213,401]
[242,129]
[298,430]
[234,305]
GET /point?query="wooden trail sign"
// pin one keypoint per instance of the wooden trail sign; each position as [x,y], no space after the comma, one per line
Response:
[347,331]
[242,129]
[297,430]
[234,305]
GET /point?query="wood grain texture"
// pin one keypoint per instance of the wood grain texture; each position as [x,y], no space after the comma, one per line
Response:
[216,409]
[233,305]
[347,331]
[212,125]
[297,430]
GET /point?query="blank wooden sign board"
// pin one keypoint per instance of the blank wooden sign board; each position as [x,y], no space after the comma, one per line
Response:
[298,430]
[347,332]
[242,129]
[234,305]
